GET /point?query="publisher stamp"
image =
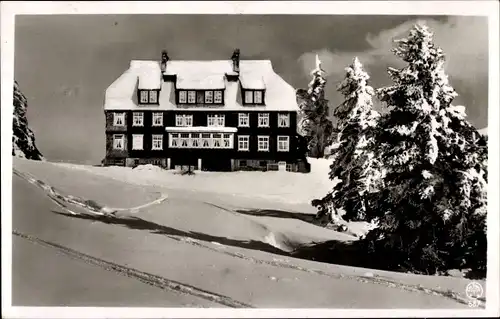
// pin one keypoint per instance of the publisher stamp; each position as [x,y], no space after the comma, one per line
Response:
[474,291]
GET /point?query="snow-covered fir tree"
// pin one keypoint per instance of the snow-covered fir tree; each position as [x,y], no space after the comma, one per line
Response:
[314,123]
[431,212]
[23,138]
[355,170]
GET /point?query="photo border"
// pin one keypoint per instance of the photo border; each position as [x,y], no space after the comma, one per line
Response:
[9,10]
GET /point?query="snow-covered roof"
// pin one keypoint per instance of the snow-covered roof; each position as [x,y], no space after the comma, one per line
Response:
[201,129]
[149,74]
[252,80]
[215,81]
[254,74]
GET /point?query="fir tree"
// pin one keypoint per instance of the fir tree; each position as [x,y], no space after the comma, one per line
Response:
[355,167]
[313,122]
[431,212]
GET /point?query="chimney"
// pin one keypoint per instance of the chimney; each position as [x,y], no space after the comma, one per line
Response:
[236,61]
[164,60]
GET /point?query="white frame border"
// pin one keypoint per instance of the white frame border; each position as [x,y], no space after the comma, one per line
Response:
[464,8]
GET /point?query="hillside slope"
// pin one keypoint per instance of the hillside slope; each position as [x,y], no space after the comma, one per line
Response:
[202,240]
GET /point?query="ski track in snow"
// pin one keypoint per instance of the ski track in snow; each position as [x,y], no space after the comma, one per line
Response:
[57,198]
[147,278]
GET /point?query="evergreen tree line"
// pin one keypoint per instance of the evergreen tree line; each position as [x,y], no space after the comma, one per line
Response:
[418,172]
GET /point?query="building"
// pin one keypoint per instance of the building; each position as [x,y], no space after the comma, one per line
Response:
[211,115]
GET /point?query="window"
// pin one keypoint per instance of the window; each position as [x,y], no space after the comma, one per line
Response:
[209,97]
[217,140]
[257,97]
[119,119]
[244,120]
[243,143]
[220,120]
[188,120]
[138,119]
[254,97]
[157,142]
[195,140]
[183,120]
[283,120]
[144,97]
[263,119]
[174,140]
[192,97]
[205,138]
[215,120]
[137,142]
[201,140]
[157,119]
[263,145]
[182,96]
[153,96]
[227,140]
[179,120]
[218,97]
[118,142]
[283,143]
[249,97]
[211,120]
[184,140]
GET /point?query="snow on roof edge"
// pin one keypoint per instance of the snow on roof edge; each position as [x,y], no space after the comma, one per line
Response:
[224,129]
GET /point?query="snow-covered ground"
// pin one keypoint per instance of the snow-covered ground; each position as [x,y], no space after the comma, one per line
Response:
[202,212]
[220,235]
[294,188]
[276,191]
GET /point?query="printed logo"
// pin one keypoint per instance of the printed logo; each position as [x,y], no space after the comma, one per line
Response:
[474,291]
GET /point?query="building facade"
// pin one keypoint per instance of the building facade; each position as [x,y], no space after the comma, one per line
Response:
[211,115]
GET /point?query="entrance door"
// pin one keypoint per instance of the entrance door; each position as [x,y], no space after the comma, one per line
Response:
[282,166]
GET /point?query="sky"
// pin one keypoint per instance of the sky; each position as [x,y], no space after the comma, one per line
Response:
[64,64]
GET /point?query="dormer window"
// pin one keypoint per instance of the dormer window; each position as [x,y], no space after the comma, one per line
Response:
[248,97]
[182,96]
[209,97]
[153,97]
[218,97]
[191,97]
[148,96]
[254,97]
[257,97]
[200,96]
[144,97]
